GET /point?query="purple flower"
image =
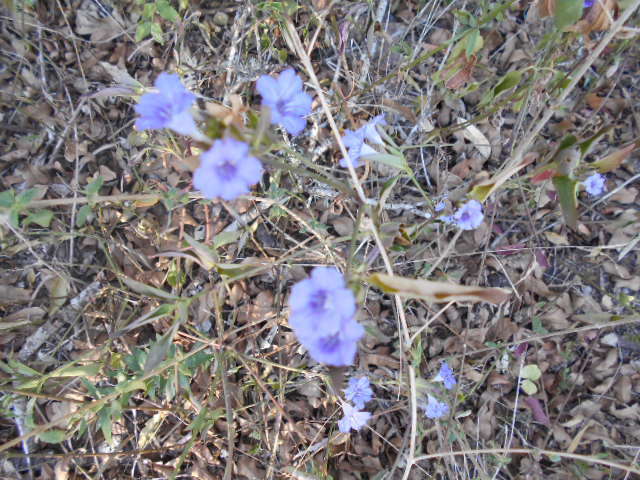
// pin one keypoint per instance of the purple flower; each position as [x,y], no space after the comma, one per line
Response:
[469,216]
[435,408]
[284,96]
[169,108]
[353,419]
[587,3]
[354,141]
[227,170]
[440,206]
[595,184]
[322,315]
[359,391]
[445,375]
[370,131]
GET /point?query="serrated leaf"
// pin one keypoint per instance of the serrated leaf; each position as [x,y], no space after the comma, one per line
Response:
[156,33]
[143,31]
[437,292]
[532,372]
[567,13]
[41,217]
[529,387]
[567,189]
[166,11]
[510,80]
[52,436]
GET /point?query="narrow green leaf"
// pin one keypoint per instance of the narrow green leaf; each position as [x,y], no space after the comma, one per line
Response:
[472,39]
[391,160]
[510,80]
[158,351]
[585,146]
[567,189]
[145,289]
[52,436]
[567,13]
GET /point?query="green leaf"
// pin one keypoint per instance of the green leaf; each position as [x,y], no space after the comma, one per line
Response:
[156,33]
[143,31]
[586,145]
[567,142]
[94,187]
[52,436]
[7,198]
[472,40]
[510,80]
[82,215]
[105,424]
[567,189]
[567,13]
[529,387]
[166,11]
[532,372]
[42,218]
[149,10]
[158,351]
[89,370]
[147,289]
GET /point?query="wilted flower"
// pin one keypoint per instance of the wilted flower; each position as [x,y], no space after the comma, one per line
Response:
[359,391]
[445,375]
[354,141]
[227,170]
[595,184]
[169,108]
[353,419]
[322,315]
[435,408]
[469,216]
[284,96]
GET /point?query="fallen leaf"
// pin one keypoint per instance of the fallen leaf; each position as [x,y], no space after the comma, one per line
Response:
[438,292]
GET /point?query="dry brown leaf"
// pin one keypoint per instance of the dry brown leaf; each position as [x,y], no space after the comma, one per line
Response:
[11,295]
[598,17]
[438,292]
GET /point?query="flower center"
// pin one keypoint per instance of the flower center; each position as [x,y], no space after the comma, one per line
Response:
[281,106]
[321,301]
[330,343]
[228,170]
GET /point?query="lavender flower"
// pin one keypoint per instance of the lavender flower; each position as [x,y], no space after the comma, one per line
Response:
[445,375]
[227,170]
[169,108]
[322,315]
[595,184]
[284,96]
[359,391]
[469,216]
[435,408]
[587,3]
[440,206]
[353,419]
[354,141]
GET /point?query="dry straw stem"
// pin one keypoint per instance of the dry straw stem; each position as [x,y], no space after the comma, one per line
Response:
[510,166]
[531,451]
[299,49]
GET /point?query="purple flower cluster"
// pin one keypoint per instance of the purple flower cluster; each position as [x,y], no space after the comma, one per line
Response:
[445,375]
[227,170]
[354,141]
[288,103]
[467,217]
[170,107]
[595,184]
[322,315]
[358,392]
[434,408]
[353,419]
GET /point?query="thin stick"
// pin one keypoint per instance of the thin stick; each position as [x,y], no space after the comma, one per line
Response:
[531,451]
